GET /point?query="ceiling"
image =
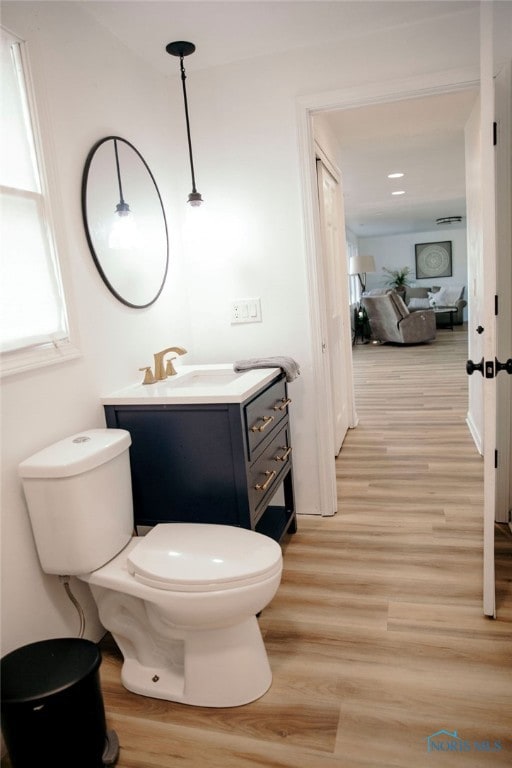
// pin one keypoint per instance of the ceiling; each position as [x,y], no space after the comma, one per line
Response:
[226,32]
[421,137]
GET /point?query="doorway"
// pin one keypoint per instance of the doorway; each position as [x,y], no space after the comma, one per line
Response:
[424,137]
[393,92]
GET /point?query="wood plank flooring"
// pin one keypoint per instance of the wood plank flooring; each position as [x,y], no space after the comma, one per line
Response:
[376,637]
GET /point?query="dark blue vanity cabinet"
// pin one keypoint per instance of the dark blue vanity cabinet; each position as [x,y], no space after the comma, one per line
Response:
[212,463]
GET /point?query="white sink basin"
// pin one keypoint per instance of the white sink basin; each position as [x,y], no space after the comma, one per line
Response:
[196,384]
[202,378]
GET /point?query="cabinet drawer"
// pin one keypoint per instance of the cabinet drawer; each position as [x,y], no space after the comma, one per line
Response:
[265,474]
[264,413]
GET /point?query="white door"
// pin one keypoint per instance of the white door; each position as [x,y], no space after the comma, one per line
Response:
[497,314]
[332,223]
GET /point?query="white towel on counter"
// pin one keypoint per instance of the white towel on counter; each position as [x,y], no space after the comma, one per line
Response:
[287,364]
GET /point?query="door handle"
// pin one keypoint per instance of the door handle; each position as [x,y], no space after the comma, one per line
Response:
[489,369]
[507,366]
[471,367]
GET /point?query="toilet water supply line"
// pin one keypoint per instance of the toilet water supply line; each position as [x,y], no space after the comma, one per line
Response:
[65,581]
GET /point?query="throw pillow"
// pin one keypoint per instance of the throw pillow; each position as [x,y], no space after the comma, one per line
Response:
[451,294]
[446,297]
[418,304]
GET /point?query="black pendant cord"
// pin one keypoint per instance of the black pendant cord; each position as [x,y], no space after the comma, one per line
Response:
[183,78]
[183,48]
[122,202]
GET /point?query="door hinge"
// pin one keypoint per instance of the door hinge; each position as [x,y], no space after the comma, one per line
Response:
[495,459]
[496,305]
[494,133]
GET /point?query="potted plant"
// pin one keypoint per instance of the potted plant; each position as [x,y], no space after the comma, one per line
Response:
[398,278]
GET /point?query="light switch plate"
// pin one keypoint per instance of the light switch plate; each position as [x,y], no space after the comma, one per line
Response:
[246,311]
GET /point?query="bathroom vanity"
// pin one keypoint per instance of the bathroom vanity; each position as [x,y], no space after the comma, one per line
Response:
[210,446]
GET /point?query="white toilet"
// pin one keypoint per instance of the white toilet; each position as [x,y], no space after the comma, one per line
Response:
[181,602]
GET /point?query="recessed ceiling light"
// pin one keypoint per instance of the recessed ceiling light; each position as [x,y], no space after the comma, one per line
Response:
[395,175]
[399,192]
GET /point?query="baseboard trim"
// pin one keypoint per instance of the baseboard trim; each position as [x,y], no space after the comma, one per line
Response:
[475,434]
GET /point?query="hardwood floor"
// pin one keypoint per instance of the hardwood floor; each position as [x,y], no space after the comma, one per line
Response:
[376,637]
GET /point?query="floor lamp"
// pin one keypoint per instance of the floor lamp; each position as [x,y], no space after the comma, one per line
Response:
[360,266]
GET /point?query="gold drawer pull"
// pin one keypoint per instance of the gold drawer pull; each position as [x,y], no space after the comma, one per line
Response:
[267,420]
[263,486]
[281,405]
[287,450]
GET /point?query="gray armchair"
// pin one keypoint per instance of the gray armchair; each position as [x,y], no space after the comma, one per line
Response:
[391,321]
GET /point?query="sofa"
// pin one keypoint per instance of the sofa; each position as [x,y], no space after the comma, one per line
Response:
[391,322]
[418,298]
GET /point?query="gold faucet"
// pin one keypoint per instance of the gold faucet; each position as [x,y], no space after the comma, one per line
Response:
[148,375]
[161,372]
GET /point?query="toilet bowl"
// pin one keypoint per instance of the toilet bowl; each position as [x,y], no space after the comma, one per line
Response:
[181,602]
[190,634]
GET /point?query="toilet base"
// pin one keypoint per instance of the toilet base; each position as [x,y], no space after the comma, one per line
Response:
[202,648]
[224,667]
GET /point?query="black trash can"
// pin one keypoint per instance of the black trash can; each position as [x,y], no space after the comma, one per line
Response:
[52,707]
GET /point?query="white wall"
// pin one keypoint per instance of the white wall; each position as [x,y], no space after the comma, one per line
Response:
[246,147]
[91,87]
[251,243]
[397,251]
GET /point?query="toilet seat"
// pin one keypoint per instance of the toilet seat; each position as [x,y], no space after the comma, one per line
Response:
[192,557]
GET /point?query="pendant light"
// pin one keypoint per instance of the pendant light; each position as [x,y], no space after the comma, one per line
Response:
[181,48]
[123,230]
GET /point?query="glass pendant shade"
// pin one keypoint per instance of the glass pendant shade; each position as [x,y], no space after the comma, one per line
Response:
[123,232]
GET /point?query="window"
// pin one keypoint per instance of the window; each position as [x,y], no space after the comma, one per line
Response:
[354,286]
[34,327]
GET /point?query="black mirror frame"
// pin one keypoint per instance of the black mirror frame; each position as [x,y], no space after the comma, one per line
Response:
[85,177]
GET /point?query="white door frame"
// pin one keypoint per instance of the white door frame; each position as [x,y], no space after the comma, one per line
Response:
[358,96]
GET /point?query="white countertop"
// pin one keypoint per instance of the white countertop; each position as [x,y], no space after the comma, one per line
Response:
[195,384]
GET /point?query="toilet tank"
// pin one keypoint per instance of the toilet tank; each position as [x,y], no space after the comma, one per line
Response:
[79,498]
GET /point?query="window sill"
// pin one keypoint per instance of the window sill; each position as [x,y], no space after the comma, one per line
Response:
[41,356]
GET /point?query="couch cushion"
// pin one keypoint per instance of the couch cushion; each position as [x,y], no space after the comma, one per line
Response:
[376,292]
[417,292]
[418,304]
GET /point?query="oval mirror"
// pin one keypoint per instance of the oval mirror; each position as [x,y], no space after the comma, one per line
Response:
[125,222]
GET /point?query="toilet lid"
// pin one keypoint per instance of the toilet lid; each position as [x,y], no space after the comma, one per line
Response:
[203,557]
